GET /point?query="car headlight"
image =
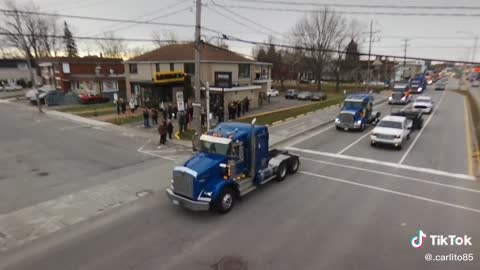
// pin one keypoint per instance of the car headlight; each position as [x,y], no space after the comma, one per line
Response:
[337,120]
[398,136]
[403,98]
[389,98]
[420,89]
[374,134]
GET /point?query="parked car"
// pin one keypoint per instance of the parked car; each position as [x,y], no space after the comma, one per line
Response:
[305,95]
[291,94]
[11,87]
[318,96]
[423,104]
[85,98]
[273,93]
[476,83]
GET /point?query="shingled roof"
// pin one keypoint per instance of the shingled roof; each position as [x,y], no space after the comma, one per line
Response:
[186,52]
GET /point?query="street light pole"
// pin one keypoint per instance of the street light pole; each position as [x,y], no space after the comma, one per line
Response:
[475,43]
[369,52]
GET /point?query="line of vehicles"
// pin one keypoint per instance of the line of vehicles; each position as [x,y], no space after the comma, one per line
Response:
[234,158]
[305,95]
[9,86]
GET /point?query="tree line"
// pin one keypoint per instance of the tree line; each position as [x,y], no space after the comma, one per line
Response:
[324,41]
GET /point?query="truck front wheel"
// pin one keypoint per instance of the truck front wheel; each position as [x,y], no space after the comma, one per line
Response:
[281,172]
[226,201]
[293,165]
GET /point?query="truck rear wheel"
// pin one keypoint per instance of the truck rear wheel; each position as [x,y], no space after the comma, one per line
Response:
[226,201]
[293,165]
[281,172]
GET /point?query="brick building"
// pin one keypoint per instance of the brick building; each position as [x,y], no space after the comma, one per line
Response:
[78,74]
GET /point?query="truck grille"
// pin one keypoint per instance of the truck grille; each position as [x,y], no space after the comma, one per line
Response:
[385,137]
[420,107]
[346,118]
[183,183]
[397,95]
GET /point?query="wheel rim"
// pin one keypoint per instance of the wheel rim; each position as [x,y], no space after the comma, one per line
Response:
[227,201]
[283,172]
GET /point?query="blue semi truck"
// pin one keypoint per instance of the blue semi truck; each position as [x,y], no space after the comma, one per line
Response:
[418,84]
[233,160]
[357,112]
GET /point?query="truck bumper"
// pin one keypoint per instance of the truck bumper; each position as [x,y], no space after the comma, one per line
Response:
[187,203]
[394,142]
[346,127]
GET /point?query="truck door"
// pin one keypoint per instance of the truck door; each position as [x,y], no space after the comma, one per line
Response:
[239,154]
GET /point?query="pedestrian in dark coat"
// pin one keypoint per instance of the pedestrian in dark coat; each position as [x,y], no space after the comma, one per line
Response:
[146,116]
[123,104]
[175,112]
[162,130]
[239,108]
[117,104]
[247,104]
[170,129]
[169,111]
[154,117]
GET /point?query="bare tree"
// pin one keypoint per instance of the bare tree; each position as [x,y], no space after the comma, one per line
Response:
[317,32]
[160,39]
[111,46]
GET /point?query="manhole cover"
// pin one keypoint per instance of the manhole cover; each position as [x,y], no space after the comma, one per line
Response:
[231,263]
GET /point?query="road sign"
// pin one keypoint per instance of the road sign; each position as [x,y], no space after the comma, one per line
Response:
[180,101]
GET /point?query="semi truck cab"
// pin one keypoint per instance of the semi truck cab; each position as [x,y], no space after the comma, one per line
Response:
[356,113]
[234,159]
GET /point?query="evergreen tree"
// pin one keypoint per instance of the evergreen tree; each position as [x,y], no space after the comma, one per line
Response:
[70,46]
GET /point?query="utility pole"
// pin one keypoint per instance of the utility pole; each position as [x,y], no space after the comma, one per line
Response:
[370,41]
[475,43]
[405,45]
[197,104]
[369,52]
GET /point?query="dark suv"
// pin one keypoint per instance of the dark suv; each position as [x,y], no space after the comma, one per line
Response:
[291,94]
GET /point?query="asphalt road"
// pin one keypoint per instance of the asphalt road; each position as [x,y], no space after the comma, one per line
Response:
[349,207]
[43,157]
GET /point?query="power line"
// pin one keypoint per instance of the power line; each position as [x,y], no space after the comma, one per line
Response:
[248,20]
[377,13]
[92,38]
[232,38]
[9,11]
[235,20]
[369,6]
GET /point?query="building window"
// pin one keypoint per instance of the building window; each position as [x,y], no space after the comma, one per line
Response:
[133,68]
[172,67]
[244,71]
[157,67]
[189,68]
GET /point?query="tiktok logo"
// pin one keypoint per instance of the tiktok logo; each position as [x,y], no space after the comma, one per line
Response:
[417,241]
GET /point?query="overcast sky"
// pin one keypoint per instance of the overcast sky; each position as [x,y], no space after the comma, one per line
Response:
[434,37]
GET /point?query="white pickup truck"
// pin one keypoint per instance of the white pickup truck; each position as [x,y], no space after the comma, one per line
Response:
[392,130]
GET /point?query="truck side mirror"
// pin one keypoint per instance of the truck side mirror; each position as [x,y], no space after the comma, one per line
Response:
[409,125]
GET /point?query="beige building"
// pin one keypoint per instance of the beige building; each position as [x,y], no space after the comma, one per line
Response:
[13,70]
[158,75]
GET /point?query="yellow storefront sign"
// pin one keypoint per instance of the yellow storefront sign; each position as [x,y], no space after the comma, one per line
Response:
[168,76]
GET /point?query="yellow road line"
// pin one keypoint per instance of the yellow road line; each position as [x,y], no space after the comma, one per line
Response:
[469,138]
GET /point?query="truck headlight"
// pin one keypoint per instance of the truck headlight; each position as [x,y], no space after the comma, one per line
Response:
[337,120]
[374,134]
[390,98]
[209,194]
[398,136]
[403,98]
[359,122]
[420,89]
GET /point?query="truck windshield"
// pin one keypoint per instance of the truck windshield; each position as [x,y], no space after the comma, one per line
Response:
[399,89]
[216,148]
[353,105]
[390,124]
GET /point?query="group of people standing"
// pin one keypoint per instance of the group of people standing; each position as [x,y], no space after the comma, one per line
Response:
[121,105]
[238,108]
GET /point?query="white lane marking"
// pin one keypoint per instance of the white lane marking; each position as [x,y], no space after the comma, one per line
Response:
[393,192]
[363,137]
[330,126]
[385,163]
[421,131]
[140,150]
[394,175]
